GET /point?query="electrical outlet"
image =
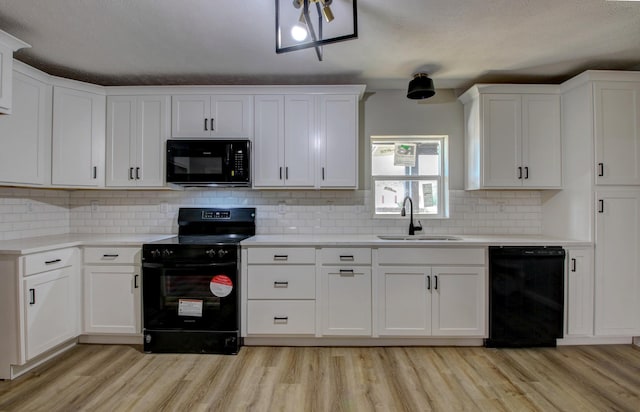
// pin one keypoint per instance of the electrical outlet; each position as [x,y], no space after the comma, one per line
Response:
[94,205]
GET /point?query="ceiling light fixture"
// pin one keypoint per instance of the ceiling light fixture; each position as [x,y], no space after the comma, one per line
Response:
[314,23]
[421,87]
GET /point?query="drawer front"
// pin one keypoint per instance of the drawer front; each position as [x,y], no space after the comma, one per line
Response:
[282,255]
[431,256]
[274,317]
[112,255]
[55,259]
[281,282]
[345,256]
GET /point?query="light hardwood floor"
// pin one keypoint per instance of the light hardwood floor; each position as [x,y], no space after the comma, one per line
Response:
[121,378]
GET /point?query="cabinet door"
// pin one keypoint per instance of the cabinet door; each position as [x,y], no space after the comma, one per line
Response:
[338,141]
[121,140]
[617,132]
[458,305]
[152,131]
[190,116]
[617,263]
[268,153]
[299,141]
[50,306]
[25,135]
[231,116]
[541,145]
[346,301]
[404,301]
[501,140]
[579,300]
[112,299]
[78,138]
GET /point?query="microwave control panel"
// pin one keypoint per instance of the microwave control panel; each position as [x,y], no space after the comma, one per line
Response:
[239,166]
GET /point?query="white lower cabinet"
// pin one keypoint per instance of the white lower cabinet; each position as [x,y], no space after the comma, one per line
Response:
[346,301]
[112,298]
[39,306]
[50,309]
[281,291]
[422,293]
[579,292]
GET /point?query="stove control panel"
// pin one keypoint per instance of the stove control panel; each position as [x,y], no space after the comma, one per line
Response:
[216,214]
[212,253]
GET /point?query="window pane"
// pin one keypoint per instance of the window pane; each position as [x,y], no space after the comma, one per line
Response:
[405,158]
[389,195]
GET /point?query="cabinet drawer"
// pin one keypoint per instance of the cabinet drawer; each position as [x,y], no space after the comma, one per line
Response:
[348,256]
[281,282]
[431,256]
[112,255]
[273,317]
[282,255]
[55,259]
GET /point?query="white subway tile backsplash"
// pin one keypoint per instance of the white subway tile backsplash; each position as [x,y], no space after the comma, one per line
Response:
[38,212]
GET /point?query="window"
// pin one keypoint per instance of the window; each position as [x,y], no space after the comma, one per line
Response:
[414,166]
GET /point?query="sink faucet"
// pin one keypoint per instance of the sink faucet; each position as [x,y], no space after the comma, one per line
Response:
[403,212]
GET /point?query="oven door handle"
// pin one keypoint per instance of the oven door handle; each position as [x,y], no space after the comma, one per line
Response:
[186,265]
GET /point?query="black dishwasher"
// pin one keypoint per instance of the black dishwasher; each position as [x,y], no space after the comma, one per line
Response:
[526,296]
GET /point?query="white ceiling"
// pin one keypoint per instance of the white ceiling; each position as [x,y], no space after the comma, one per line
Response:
[459,42]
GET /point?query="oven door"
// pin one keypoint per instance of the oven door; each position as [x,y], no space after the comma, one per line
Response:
[190,296]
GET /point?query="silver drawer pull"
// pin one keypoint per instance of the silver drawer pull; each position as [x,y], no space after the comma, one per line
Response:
[281,319]
[50,262]
[110,256]
[280,284]
[346,271]
[280,257]
[346,258]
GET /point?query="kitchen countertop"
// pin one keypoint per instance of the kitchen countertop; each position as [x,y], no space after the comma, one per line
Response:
[44,243]
[374,241]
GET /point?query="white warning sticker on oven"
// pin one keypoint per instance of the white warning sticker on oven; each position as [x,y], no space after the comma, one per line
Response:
[221,285]
[190,307]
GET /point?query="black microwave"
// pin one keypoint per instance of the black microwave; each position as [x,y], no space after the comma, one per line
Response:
[209,162]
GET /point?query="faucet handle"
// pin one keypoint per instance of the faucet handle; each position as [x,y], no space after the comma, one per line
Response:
[418,227]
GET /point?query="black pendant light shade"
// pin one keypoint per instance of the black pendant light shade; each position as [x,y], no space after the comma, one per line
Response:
[421,87]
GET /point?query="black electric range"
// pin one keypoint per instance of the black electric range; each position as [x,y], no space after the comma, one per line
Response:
[190,283]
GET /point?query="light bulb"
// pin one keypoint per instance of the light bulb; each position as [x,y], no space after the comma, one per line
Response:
[298,32]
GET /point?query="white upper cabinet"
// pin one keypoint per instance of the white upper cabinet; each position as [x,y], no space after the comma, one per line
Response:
[224,116]
[513,138]
[137,128]
[284,141]
[338,141]
[617,132]
[25,135]
[8,44]
[307,140]
[78,138]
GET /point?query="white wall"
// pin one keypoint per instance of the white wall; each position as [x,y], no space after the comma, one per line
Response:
[33,212]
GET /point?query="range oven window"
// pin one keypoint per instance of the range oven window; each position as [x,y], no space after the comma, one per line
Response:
[198,298]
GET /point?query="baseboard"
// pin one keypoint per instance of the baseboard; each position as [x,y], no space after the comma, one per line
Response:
[133,339]
[595,340]
[310,341]
[17,370]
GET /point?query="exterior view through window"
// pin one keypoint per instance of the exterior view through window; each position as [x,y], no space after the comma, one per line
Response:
[414,166]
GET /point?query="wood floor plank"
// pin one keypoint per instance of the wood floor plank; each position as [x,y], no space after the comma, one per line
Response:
[264,379]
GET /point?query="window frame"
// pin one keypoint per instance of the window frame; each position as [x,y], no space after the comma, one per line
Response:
[442,179]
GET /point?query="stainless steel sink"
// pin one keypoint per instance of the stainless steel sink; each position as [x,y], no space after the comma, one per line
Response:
[419,237]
